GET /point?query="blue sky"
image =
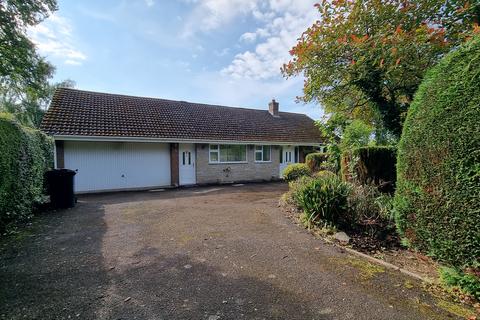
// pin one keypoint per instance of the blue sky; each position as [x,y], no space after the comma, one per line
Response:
[226,52]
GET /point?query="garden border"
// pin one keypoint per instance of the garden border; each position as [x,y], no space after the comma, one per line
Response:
[387,264]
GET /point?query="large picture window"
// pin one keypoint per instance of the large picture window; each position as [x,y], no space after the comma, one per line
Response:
[224,153]
[262,153]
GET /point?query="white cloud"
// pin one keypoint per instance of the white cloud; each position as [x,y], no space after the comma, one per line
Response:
[281,24]
[149,3]
[208,15]
[53,37]
[248,37]
[237,92]
[277,36]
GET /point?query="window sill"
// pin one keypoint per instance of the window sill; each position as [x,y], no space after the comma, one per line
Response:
[233,162]
[263,161]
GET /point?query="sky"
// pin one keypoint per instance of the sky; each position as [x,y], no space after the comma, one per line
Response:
[226,52]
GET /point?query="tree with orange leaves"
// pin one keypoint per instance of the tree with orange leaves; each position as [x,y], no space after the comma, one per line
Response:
[365,59]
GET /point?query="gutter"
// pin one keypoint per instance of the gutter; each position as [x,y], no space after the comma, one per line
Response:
[176,140]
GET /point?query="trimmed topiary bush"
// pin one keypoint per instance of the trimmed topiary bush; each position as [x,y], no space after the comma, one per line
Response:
[295,170]
[26,155]
[371,165]
[438,170]
[317,161]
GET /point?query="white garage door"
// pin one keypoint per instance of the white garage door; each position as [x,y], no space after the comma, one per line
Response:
[117,165]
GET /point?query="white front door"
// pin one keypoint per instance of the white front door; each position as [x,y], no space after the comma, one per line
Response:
[287,157]
[186,153]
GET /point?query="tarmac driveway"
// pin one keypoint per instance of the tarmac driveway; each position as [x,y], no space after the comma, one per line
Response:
[220,252]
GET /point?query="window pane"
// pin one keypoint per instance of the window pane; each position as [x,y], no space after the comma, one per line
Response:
[232,153]
[258,156]
[223,153]
[266,153]
[214,156]
[214,147]
[236,153]
[242,156]
[259,148]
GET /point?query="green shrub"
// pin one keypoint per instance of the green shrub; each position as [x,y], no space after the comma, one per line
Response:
[362,202]
[437,198]
[26,155]
[324,173]
[317,161]
[356,134]
[371,211]
[295,170]
[324,200]
[385,206]
[371,165]
[295,189]
[468,283]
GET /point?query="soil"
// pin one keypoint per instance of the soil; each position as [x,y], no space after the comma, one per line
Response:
[387,247]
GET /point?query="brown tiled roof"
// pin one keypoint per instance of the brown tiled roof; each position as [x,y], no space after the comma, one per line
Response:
[83,113]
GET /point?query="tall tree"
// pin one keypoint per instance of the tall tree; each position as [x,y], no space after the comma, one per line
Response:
[24,74]
[30,106]
[365,59]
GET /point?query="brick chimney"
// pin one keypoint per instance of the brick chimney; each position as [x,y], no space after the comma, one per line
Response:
[273,108]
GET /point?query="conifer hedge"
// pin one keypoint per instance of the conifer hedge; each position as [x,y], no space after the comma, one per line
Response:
[437,201]
[317,161]
[370,165]
[26,154]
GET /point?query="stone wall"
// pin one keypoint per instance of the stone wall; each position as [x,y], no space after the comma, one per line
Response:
[236,172]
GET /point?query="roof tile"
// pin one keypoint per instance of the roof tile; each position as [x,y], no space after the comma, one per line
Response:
[84,113]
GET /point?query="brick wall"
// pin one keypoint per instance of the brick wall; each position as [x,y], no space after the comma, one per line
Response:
[236,172]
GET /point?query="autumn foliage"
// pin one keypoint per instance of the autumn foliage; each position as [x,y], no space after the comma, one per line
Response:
[366,59]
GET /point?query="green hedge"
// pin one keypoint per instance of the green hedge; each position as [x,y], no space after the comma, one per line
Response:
[26,155]
[317,161]
[295,170]
[371,165]
[438,190]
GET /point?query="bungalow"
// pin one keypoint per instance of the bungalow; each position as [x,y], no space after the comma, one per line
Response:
[117,142]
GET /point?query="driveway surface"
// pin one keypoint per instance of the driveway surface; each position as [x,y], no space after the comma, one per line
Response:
[220,252]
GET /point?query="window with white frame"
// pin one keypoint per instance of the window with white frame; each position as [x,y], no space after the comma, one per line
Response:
[225,153]
[263,153]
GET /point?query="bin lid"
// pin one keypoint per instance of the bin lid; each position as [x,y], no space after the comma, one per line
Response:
[61,172]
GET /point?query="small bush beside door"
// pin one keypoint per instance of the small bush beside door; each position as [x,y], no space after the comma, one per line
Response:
[295,170]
